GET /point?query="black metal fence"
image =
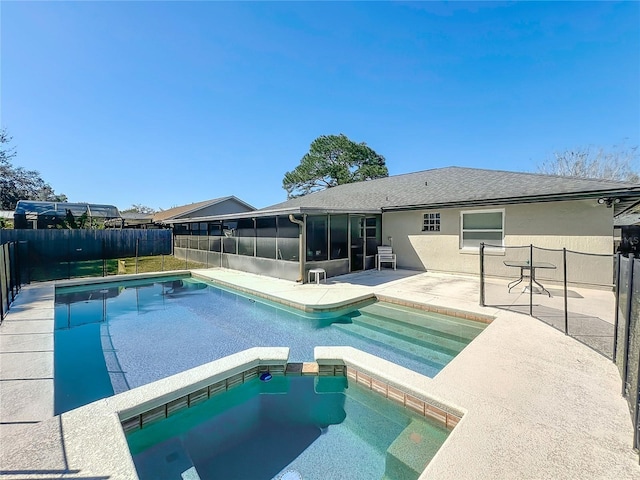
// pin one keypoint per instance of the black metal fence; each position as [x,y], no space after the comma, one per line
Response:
[571,291]
[10,278]
[593,298]
[60,254]
[626,350]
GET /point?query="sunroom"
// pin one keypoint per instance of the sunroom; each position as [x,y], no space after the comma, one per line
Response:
[282,243]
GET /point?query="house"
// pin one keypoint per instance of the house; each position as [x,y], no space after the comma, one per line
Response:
[182,218]
[6,218]
[434,219]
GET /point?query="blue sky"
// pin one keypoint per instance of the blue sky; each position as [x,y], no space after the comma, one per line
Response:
[168,103]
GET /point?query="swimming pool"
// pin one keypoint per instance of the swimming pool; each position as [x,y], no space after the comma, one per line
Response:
[289,427]
[115,336]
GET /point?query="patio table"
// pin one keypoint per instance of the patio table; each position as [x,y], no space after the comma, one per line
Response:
[528,270]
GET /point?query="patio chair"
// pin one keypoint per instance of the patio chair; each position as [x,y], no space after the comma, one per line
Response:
[385,255]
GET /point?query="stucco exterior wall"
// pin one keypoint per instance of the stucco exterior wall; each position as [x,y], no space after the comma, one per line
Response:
[582,226]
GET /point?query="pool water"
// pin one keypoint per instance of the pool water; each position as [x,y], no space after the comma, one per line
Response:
[315,427]
[113,337]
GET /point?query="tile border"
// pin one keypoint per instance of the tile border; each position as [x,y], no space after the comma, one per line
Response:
[421,406]
[452,312]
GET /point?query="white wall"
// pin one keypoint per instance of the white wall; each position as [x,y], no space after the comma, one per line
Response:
[582,226]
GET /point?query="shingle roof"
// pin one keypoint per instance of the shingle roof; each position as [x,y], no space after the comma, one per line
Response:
[454,186]
[192,207]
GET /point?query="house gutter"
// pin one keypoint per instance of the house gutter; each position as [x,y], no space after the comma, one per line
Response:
[517,200]
[302,237]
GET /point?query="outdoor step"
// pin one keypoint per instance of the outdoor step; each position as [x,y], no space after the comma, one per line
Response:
[412,450]
[412,334]
[431,322]
[420,353]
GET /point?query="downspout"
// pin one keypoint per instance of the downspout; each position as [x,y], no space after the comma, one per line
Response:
[302,237]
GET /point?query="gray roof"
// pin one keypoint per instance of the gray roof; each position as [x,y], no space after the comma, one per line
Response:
[457,186]
[184,210]
[136,216]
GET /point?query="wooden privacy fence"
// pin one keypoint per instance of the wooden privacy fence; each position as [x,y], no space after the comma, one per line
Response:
[56,254]
[62,245]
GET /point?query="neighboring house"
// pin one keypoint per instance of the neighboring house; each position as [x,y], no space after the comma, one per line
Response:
[6,218]
[177,217]
[434,219]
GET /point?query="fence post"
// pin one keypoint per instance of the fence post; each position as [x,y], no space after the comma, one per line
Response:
[531,270]
[24,264]
[627,320]
[636,414]
[615,323]
[482,274]
[566,307]
[2,313]
[137,250]
[104,261]
[68,257]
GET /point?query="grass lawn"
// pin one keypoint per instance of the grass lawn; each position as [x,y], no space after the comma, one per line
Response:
[100,268]
[159,263]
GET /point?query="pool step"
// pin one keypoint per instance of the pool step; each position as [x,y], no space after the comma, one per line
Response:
[455,328]
[411,349]
[375,402]
[375,421]
[413,334]
[412,450]
[170,459]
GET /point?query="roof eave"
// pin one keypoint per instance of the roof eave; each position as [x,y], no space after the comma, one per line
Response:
[274,212]
[516,200]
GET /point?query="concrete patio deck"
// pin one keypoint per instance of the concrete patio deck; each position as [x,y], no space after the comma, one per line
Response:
[538,404]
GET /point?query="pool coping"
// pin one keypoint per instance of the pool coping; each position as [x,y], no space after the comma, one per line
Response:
[332,307]
[111,417]
[539,404]
[351,303]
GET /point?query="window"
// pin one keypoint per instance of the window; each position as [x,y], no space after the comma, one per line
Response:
[215,229]
[431,222]
[482,226]
[373,234]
